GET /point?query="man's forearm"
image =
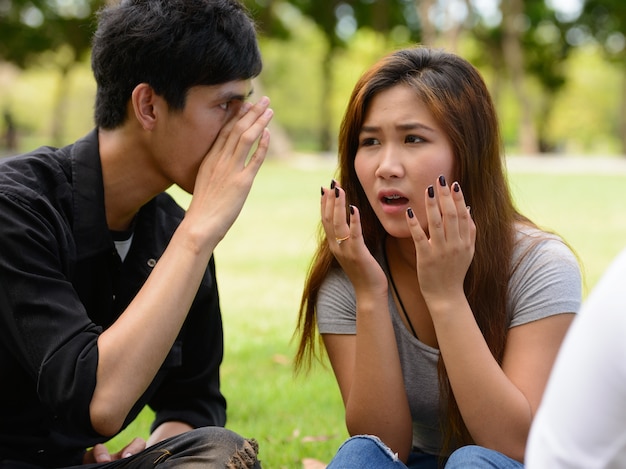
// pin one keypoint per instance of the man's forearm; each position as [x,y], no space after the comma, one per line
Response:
[167,430]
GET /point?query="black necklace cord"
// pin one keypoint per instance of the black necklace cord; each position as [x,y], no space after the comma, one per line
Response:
[395,290]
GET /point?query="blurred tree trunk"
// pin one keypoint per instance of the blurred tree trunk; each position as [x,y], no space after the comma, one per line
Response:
[452,37]
[455,29]
[546,107]
[429,32]
[380,18]
[622,125]
[59,110]
[280,143]
[326,140]
[512,15]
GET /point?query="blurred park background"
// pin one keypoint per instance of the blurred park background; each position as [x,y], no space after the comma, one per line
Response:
[556,70]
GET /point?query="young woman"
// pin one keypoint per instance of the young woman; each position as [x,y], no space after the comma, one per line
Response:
[441,321]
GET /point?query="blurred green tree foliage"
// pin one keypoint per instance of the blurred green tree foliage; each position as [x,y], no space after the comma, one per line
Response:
[527,47]
[32,28]
[523,46]
[605,21]
[525,43]
[338,21]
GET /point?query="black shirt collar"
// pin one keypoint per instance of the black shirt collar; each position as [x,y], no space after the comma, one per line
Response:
[90,226]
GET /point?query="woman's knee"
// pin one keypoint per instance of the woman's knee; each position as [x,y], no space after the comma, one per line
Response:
[473,456]
[365,451]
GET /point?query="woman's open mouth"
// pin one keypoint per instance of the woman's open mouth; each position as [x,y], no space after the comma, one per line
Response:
[394,199]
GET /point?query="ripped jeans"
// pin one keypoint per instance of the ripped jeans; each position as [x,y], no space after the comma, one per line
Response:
[369,451]
[206,447]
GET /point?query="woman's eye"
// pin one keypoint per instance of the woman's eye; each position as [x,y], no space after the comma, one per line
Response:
[225,106]
[366,142]
[413,139]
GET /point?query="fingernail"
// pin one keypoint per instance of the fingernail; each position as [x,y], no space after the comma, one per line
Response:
[351,209]
[336,192]
[456,187]
[409,212]
[431,192]
[322,191]
[127,455]
[442,181]
[333,183]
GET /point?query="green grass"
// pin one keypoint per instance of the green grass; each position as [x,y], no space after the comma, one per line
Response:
[261,268]
[588,210]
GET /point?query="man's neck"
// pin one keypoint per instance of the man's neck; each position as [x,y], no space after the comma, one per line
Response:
[127,177]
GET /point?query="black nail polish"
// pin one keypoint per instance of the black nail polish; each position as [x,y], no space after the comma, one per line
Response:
[442,181]
[351,209]
[336,192]
[333,183]
[456,187]
[322,191]
[409,212]
[431,192]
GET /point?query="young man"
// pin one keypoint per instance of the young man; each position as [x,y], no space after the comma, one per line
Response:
[108,296]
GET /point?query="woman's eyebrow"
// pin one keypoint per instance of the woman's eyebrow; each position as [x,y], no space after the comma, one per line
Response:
[415,126]
[406,126]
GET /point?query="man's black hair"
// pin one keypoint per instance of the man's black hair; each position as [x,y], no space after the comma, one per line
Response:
[172,45]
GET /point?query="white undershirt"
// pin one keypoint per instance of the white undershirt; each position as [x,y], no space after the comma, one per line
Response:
[123,247]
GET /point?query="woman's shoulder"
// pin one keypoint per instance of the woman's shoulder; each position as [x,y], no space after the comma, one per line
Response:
[533,244]
[546,276]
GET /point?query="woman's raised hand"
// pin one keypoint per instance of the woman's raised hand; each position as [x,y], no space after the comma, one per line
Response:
[345,240]
[445,253]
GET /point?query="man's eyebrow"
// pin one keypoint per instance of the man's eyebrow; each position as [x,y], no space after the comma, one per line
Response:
[231,96]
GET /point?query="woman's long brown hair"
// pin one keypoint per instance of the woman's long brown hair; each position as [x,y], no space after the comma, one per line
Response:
[456,95]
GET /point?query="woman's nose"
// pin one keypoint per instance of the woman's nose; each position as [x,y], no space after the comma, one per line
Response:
[390,164]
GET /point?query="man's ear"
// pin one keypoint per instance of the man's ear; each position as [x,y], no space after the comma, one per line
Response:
[144,103]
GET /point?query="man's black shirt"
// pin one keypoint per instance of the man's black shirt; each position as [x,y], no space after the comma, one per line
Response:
[62,283]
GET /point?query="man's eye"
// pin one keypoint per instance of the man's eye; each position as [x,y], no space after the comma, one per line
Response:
[225,106]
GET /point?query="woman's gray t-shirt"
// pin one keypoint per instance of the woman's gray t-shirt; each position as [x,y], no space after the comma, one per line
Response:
[546,282]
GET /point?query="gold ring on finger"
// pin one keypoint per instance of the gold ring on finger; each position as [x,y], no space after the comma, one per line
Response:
[341,240]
